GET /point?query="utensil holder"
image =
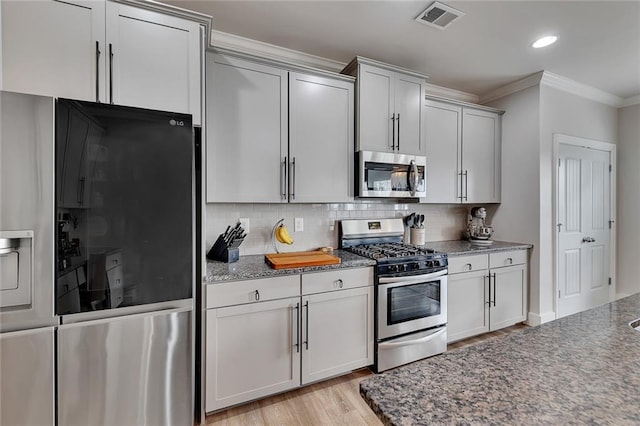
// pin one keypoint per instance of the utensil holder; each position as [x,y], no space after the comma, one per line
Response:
[221,252]
[417,236]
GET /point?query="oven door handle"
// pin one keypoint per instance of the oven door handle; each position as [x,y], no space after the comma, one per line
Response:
[418,341]
[412,278]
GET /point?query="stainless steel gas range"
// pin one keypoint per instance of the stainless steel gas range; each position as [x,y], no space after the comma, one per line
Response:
[410,291]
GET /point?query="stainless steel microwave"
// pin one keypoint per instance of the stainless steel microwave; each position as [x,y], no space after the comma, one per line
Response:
[387,175]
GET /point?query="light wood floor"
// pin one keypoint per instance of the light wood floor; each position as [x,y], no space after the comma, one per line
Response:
[332,402]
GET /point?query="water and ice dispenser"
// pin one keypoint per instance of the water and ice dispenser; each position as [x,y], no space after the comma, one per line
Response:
[16,268]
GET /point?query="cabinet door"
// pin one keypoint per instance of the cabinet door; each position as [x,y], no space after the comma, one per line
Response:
[247,136]
[337,332]
[467,310]
[481,156]
[251,351]
[509,292]
[409,100]
[320,138]
[155,60]
[375,109]
[443,138]
[51,48]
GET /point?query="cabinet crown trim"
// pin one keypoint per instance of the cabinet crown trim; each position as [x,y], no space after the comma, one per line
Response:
[465,104]
[352,67]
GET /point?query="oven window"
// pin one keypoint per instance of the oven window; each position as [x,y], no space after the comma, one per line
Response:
[410,302]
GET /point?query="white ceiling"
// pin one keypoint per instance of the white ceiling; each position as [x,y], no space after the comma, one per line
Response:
[598,41]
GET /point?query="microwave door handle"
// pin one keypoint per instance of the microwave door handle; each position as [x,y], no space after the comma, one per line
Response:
[412,178]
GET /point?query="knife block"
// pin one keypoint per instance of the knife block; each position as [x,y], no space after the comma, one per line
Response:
[221,252]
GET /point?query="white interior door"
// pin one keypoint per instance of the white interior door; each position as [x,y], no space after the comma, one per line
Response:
[584,212]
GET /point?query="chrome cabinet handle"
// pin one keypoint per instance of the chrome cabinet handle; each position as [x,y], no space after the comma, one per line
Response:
[111,72]
[306,342]
[340,283]
[398,122]
[469,266]
[283,179]
[466,185]
[296,321]
[256,295]
[494,289]
[510,260]
[393,132]
[98,71]
[292,177]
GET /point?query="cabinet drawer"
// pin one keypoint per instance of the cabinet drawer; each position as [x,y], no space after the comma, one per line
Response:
[468,263]
[320,282]
[241,292]
[507,258]
[113,260]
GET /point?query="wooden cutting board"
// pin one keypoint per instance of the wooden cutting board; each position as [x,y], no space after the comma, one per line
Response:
[300,259]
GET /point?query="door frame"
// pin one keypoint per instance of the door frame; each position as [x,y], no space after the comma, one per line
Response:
[559,138]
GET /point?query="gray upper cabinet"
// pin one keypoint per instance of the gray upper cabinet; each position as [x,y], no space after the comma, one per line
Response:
[320,138]
[275,135]
[101,51]
[463,148]
[390,114]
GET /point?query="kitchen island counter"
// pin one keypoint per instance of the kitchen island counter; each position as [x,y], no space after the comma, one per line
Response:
[581,369]
[254,266]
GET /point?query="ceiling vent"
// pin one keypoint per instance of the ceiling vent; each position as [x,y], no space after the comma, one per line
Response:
[439,15]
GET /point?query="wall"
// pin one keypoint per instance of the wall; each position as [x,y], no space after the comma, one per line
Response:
[442,222]
[568,114]
[628,197]
[518,216]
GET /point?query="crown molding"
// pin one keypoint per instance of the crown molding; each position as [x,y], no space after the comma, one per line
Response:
[570,86]
[634,100]
[516,86]
[564,84]
[270,51]
[445,92]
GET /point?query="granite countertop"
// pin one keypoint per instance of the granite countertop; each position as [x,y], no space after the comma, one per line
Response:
[462,247]
[581,369]
[254,266]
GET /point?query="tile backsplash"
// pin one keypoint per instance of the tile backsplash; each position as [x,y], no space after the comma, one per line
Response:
[442,221]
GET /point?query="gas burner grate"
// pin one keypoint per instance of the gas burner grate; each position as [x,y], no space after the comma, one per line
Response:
[390,250]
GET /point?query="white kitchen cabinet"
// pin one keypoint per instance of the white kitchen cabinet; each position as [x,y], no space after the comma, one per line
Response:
[320,139]
[390,113]
[269,335]
[463,148]
[101,51]
[153,60]
[251,351]
[51,48]
[337,326]
[486,292]
[276,135]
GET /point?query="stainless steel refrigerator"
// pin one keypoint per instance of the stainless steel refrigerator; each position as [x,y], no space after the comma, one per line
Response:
[115,190]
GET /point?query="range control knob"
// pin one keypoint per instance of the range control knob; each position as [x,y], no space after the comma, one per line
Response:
[436,263]
[415,265]
[428,263]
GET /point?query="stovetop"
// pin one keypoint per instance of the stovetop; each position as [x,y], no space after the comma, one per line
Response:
[384,251]
[402,259]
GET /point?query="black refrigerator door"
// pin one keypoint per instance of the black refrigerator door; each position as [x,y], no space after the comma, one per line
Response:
[124,206]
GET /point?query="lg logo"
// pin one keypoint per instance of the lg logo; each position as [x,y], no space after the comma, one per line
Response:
[176,123]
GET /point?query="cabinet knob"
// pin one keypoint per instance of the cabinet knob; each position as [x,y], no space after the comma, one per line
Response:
[340,283]
[510,260]
[256,295]
[469,266]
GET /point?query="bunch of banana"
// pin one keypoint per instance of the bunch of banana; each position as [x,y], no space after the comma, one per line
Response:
[282,235]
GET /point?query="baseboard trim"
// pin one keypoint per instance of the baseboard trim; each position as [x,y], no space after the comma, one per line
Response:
[534,319]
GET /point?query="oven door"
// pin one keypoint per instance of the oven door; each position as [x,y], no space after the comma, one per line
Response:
[411,303]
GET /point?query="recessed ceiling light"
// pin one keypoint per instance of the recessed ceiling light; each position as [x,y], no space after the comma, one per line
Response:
[544,41]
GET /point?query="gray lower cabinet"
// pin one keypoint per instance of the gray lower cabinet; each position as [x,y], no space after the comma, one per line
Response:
[270,335]
[486,292]
[27,386]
